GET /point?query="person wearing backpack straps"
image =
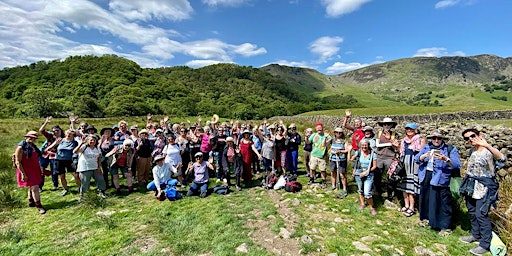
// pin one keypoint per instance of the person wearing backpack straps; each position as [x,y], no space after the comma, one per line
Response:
[357,129]
[437,161]
[480,189]
[365,164]
[320,141]
[410,145]
[387,145]
[338,155]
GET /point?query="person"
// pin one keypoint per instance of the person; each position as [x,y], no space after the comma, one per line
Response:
[257,139]
[246,149]
[357,129]
[369,135]
[144,151]
[64,159]
[89,164]
[480,189]
[122,133]
[47,157]
[232,162]
[280,145]
[339,153]
[364,171]
[268,153]
[28,171]
[172,153]
[159,143]
[122,161]
[437,161]
[200,169]
[320,141]
[106,145]
[387,143]
[161,174]
[410,145]
[292,149]
[308,146]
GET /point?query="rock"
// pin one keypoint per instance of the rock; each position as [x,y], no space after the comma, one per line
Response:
[106,213]
[441,247]
[333,230]
[369,238]
[338,220]
[320,195]
[386,247]
[385,232]
[390,205]
[345,210]
[422,251]
[296,202]
[271,217]
[362,247]
[243,248]
[379,222]
[399,251]
[311,206]
[306,239]
[284,233]
[314,230]
[332,254]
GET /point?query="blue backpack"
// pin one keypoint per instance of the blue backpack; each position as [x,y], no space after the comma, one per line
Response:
[171,192]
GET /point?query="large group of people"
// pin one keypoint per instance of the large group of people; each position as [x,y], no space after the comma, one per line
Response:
[195,152]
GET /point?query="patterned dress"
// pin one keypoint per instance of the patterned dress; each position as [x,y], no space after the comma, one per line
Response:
[410,184]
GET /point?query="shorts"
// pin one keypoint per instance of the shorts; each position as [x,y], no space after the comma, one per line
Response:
[342,164]
[317,162]
[114,170]
[63,166]
[281,158]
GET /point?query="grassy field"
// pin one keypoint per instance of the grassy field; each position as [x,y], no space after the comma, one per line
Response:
[136,224]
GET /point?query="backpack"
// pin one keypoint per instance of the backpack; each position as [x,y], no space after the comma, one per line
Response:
[270,180]
[290,177]
[172,194]
[293,186]
[221,190]
[396,171]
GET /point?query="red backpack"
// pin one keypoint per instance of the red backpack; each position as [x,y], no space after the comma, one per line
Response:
[293,186]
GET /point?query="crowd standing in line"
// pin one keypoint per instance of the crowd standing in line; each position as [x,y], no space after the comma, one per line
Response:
[194,152]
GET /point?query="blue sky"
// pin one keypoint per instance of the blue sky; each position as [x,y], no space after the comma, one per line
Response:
[331,36]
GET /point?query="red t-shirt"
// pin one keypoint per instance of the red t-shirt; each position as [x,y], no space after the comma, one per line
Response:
[121,161]
[357,136]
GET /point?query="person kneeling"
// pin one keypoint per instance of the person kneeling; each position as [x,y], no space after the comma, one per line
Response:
[161,174]
[200,169]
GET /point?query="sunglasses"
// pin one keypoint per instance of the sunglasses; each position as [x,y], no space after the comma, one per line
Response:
[472,136]
[437,138]
[182,131]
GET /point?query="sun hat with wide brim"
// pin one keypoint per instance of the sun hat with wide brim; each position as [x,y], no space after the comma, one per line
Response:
[387,120]
[103,130]
[32,134]
[230,139]
[246,131]
[436,133]
[91,127]
[198,154]
[158,158]
[367,128]
[338,129]
[144,131]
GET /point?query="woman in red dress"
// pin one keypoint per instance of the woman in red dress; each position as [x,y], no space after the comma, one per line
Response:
[246,145]
[28,171]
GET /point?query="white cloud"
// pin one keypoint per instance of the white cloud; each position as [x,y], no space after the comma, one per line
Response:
[325,47]
[152,9]
[436,52]
[36,30]
[446,3]
[336,8]
[340,67]
[225,2]
[202,63]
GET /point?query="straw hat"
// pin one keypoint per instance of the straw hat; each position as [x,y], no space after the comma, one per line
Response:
[387,120]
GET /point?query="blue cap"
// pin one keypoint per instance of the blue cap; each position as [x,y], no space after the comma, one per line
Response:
[412,126]
[115,126]
[267,133]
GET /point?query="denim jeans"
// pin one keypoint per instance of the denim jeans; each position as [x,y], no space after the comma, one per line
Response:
[292,158]
[151,186]
[364,185]
[194,187]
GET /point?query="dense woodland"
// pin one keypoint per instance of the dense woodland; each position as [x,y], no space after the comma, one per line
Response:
[92,86]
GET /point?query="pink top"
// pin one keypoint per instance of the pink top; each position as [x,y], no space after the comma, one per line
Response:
[205,143]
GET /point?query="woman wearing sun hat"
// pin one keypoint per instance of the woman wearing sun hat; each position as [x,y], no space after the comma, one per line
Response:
[410,145]
[437,160]
[28,171]
[387,144]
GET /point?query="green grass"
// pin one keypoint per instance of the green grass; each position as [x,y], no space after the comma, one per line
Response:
[138,224]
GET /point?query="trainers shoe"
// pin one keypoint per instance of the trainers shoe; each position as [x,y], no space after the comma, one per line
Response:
[332,188]
[468,239]
[311,182]
[373,212]
[225,180]
[344,194]
[102,194]
[445,232]
[324,184]
[55,188]
[64,192]
[41,210]
[40,190]
[478,251]
[238,188]
[81,199]
[361,207]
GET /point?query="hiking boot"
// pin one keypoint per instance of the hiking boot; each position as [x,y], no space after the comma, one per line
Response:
[203,194]
[478,251]
[468,239]
[118,191]
[324,184]
[64,192]
[311,181]
[130,189]
[102,194]
[40,207]
[344,194]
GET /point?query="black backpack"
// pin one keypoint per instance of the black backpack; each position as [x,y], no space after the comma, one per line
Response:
[270,180]
[221,190]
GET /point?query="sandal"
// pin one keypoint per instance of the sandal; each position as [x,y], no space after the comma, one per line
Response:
[409,213]
[423,223]
[445,232]
[403,209]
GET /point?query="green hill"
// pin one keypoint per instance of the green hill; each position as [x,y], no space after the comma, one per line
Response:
[93,86]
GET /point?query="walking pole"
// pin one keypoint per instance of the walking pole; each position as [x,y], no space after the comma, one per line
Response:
[338,195]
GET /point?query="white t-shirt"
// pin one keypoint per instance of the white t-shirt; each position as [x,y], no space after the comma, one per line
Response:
[172,154]
[88,160]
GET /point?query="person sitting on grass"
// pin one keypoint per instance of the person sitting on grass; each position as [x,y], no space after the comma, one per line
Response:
[161,174]
[200,168]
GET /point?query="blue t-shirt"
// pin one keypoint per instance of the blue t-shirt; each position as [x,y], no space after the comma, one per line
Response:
[65,150]
[335,146]
[364,161]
